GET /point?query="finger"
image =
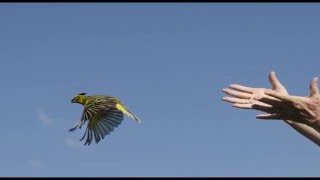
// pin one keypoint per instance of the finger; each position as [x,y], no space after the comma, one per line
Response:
[235,100]
[280,96]
[271,101]
[267,109]
[269,116]
[242,88]
[237,94]
[275,83]
[242,106]
[314,90]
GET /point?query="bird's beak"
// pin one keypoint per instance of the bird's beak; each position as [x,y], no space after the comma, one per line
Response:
[73,101]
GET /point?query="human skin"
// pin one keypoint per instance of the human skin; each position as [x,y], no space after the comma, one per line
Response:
[277,104]
[297,108]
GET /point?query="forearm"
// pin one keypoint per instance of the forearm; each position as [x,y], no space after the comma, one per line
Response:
[306,131]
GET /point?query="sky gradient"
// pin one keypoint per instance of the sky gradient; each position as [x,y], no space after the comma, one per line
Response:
[168,63]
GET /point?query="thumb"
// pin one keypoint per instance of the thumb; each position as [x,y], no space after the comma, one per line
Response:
[275,83]
[314,90]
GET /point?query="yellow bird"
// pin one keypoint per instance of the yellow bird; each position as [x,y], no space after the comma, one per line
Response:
[104,113]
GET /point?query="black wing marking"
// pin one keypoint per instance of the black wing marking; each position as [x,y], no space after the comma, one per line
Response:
[98,106]
[99,128]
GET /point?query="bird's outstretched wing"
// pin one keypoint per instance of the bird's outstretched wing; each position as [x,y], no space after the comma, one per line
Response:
[93,108]
[102,124]
[103,117]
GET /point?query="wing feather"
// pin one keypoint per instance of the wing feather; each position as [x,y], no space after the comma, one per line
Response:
[102,116]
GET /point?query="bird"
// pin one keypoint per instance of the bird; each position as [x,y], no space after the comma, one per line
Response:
[103,113]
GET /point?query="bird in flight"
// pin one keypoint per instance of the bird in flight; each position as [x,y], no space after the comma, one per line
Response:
[103,113]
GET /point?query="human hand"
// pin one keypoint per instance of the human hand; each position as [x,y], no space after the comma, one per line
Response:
[279,105]
[296,108]
[243,96]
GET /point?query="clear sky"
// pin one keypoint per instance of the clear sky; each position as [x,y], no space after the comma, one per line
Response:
[168,63]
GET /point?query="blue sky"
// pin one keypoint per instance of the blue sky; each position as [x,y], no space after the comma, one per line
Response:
[168,63]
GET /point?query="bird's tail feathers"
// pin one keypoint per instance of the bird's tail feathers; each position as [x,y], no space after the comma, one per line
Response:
[127,112]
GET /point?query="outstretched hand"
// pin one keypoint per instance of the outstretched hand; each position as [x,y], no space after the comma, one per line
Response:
[243,96]
[301,113]
[296,108]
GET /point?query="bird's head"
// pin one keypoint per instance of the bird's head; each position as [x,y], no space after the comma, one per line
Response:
[78,98]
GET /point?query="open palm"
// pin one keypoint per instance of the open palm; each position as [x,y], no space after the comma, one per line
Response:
[241,94]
